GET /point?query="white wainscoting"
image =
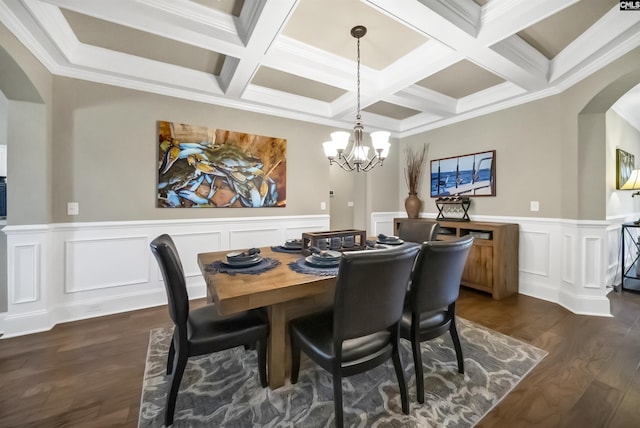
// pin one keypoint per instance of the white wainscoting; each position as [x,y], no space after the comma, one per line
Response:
[574,263]
[64,272]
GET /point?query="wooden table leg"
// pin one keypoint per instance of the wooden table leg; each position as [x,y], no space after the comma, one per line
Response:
[279,353]
[277,346]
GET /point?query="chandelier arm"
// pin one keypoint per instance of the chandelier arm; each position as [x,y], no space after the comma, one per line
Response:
[344,164]
[373,162]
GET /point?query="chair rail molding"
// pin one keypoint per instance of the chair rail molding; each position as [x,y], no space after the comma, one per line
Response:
[69,271]
[574,263]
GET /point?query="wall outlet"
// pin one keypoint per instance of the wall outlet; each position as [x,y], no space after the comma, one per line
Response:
[323,205]
[534,206]
[73,208]
[350,203]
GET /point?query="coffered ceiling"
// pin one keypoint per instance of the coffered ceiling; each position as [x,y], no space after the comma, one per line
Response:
[425,63]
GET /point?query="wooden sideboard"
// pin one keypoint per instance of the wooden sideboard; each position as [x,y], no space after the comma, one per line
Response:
[492,265]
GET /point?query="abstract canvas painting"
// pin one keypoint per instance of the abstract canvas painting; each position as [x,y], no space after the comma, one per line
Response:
[207,167]
[625,163]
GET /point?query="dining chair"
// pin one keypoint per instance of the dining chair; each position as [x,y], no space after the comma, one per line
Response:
[418,231]
[430,304]
[361,330]
[202,331]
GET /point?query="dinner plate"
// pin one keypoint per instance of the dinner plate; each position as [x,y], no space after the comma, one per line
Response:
[293,245]
[244,263]
[290,249]
[240,256]
[324,264]
[328,255]
[391,242]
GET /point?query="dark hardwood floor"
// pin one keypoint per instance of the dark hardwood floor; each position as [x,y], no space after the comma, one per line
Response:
[89,373]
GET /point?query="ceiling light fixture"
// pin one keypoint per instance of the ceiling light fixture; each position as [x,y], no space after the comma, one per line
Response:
[359,158]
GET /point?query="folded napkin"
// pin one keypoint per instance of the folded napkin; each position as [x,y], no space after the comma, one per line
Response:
[384,237]
[246,253]
[327,255]
[293,243]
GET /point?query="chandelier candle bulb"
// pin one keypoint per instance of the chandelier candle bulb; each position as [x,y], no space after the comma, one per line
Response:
[340,139]
[380,142]
[329,150]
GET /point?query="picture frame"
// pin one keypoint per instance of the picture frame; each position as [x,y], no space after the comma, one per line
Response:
[468,175]
[202,167]
[625,164]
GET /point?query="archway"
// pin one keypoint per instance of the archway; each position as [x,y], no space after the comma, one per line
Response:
[592,159]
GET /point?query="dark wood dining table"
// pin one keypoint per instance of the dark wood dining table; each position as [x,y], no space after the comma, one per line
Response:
[285,293]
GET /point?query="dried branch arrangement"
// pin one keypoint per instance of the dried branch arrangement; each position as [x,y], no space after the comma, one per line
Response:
[414,161]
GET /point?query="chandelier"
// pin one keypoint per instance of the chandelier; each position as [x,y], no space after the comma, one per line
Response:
[359,159]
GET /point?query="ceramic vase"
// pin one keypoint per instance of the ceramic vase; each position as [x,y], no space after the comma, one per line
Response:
[413,204]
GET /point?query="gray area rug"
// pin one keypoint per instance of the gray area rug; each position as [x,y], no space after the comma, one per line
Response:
[223,390]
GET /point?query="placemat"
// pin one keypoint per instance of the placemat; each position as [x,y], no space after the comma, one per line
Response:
[265,264]
[301,266]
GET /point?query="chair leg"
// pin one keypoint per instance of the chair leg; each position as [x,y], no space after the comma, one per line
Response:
[397,364]
[295,360]
[170,405]
[337,399]
[262,361]
[417,365]
[170,357]
[456,344]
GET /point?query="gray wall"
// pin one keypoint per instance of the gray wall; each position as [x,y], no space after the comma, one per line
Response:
[527,140]
[105,153]
[30,184]
[29,92]
[552,150]
[4,109]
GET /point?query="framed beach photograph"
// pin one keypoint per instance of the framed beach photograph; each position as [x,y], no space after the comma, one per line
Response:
[625,163]
[469,175]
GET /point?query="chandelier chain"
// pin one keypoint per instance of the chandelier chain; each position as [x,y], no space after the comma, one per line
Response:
[358,81]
